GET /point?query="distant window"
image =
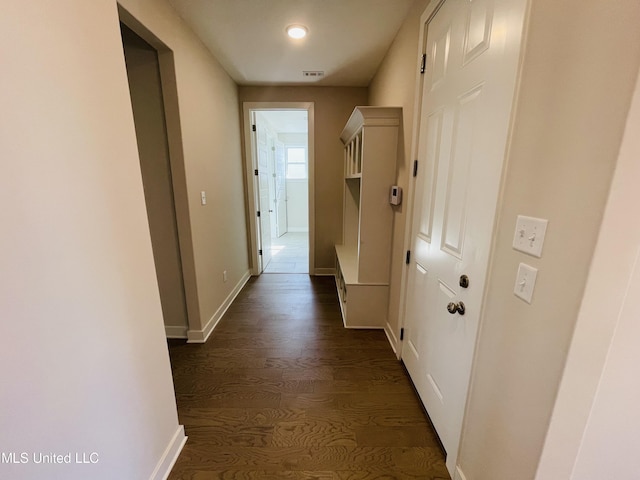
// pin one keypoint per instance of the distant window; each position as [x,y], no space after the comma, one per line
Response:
[296,163]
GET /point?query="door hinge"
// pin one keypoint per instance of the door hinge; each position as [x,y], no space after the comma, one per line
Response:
[407,260]
[402,334]
[260,252]
[255,172]
[258,212]
[415,168]
[423,63]
[253,128]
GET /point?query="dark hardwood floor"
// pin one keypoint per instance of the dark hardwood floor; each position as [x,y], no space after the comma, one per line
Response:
[282,391]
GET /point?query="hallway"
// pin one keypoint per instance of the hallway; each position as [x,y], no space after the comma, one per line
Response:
[282,390]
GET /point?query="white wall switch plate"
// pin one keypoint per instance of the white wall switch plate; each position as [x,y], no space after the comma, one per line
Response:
[525,282]
[529,235]
[203,198]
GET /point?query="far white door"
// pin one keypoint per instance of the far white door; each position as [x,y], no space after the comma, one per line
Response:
[281,189]
[263,187]
[468,87]
[273,214]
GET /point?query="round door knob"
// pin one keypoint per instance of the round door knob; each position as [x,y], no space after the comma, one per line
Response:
[454,308]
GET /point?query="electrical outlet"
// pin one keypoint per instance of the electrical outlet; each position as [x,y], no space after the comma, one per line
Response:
[224,275]
[529,235]
[525,282]
[203,197]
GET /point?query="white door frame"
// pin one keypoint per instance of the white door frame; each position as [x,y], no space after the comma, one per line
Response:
[426,16]
[250,164]
[176,164]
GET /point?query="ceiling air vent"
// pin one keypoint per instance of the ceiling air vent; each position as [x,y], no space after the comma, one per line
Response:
[313,74]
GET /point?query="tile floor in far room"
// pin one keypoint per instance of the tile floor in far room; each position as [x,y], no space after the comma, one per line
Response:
[289,253]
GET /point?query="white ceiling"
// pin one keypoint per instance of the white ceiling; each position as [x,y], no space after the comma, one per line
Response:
[347,38]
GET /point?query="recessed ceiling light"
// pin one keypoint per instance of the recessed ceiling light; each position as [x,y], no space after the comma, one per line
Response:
[297,31]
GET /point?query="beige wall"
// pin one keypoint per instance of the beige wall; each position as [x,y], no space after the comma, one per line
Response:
[599,393]
[81,333]
[395,85]
[145,88]
[579,69]
[210,136]
[333,106]
[577,82]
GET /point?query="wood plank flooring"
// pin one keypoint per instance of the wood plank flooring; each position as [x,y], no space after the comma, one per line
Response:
[282,391]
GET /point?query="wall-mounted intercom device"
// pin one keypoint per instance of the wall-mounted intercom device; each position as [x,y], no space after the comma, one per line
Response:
[395,196]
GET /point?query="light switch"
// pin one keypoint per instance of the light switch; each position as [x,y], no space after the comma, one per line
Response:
[203,197]
[529,235]
[525,282]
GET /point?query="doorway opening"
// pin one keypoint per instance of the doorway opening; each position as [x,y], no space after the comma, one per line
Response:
[151,77]
[279,156]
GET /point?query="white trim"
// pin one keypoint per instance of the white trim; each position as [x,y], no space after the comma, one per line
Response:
[249,162]
[174,331]
[201,336]
[362,327]
[459,475]
[311,192]
[297,230]
[170,455]
[393,340]
[249,155]
[324,272]
[429,11]
[180,195]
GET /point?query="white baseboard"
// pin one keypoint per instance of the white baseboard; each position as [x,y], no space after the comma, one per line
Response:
[170,455]
[173,331]
[363,327]
[201,336]
[324,272]
[459,475]
[393,340]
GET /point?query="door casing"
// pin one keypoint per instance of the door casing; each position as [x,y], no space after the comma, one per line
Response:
[250,161]
[177,166]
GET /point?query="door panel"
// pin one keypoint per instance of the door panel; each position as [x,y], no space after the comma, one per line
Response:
[440,57]
[478,29]
[459,168]
[414,334]
[426,190]
[273,214]
[473,49]
[281,190]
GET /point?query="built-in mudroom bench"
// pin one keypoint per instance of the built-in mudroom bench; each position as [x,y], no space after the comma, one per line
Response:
[363,260]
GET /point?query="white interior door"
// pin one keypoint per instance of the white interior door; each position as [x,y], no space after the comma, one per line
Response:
[468,88]
[281,190]
[273,215]
[263,187]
